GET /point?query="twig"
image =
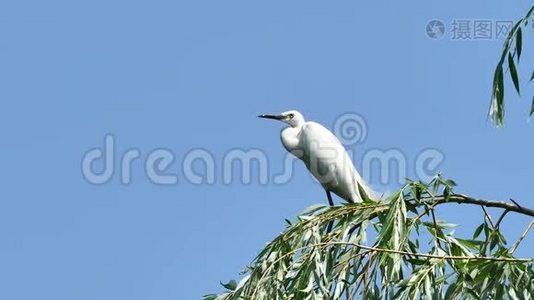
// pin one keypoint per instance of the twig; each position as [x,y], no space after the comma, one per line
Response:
[436,228]
[458,198]
[446,257]
[500,219]
[488,216]
[414,220]
[516,244]
[370,261]
[517,204]
[493,231]
[435,200]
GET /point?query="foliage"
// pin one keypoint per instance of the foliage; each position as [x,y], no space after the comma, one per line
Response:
[394,249]
[511,54]
[397,248]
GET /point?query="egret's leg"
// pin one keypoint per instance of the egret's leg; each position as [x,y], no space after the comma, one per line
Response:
[329,198]
[331,223]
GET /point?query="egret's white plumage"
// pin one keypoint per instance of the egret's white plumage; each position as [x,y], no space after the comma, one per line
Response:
[323,154]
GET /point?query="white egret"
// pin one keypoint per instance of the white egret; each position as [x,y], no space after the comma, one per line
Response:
[323,154]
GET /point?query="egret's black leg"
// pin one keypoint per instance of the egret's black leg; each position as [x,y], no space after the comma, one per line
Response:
[331,223]
[329,198]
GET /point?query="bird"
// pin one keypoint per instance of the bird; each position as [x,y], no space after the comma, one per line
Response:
[324,156]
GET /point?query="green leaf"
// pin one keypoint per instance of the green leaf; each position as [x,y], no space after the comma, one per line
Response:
[512,294]
[497,104]
[446,193]
[231,285]
[242,282]
[532,107]
[472,244]
[513,72]
[487,229]
[518,42]
[494,241]
[363,194]
[451,290]
[450,182]
[312,209]
[532,76]
[412,207]
[478,231]
[499,292]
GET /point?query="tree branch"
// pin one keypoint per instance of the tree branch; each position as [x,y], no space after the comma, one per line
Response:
[488,216]
[516,244]
[458,198]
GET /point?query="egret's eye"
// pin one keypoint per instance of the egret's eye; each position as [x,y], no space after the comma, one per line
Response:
[291,116]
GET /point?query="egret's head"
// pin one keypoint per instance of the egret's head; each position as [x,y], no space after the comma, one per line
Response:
[293,118]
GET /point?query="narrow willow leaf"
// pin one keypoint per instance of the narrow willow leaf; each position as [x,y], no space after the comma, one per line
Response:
[497,105]
[494,241]
[427,287]
[499,292]
[412,207]
[513,72]
[532,76]
[512,294]
[518,42]
[446,193]
[478,231]
[532,107]
[310,210]
[487,229]
[363,194]
[242,282]
[451,290]
[500,96]
[436,183]
[450,182]
[502,239]
[231,285]
[458,247]
[472,244]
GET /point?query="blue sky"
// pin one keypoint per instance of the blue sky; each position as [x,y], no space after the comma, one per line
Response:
[194,75]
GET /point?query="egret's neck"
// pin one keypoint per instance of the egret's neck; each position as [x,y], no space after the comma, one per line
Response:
[289,137]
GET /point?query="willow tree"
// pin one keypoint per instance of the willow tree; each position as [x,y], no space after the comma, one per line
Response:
[394,249]
[399,248]
[507,64]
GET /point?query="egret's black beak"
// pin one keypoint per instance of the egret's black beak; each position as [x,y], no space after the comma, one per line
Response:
[271,117]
